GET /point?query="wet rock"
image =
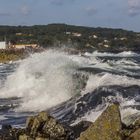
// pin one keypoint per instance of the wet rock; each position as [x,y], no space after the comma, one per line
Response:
[128,130]
[137,124]
[129,120]
[9,133]
[44,127]
[107,127]
[54,129]
[135,135]
[38,138]
[35,124]
[80,127]
[23,137]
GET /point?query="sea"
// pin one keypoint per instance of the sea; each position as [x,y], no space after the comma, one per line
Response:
[70,87]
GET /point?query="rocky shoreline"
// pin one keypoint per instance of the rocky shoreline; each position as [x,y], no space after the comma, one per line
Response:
[12,55]
[44,127]
[7,55]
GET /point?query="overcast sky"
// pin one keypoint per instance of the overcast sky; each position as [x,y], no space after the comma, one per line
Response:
[95,13]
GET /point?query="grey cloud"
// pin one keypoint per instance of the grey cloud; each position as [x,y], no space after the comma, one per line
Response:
[5,14]
[134,3]
[60,2]
[57,2]
[134,7]
[91,11]
[25,10]
[133,12]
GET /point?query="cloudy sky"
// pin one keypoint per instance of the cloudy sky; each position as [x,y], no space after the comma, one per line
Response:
[104,13]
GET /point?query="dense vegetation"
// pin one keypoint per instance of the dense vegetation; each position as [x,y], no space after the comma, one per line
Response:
[81,38]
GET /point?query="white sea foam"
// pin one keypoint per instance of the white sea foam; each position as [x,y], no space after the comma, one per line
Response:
[42,81]
[128,114]
[91,116]
[45,80]
[122,54]
[122,65]
[107,79]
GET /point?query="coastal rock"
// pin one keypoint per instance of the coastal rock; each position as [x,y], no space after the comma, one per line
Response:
[39,138]
[135,135]
[131,119]
[107,127]
[128,130]
[45,127]
[35,124]
[24,137]
[54,129]
[9,133]
[80,127]
[137,124]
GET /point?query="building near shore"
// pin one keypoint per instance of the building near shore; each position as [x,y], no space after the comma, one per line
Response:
[2,45]
[24,46]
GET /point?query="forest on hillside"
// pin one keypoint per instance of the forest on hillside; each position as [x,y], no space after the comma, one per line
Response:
[81,38]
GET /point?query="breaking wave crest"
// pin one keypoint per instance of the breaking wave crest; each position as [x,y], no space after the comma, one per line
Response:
[74,87]
[122,54]
[42,81]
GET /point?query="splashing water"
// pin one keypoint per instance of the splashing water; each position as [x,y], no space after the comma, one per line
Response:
[73,87]
[42,81]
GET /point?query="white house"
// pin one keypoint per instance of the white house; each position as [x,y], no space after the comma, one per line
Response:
[106,41]
[95,36]
[24,46]
[2,45]
[123,38]
[106,46]
[77,34]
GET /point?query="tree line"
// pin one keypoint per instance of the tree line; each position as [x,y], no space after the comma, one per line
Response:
[57,34]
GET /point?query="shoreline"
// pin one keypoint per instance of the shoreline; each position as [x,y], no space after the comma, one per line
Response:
[8,55]
[45,127]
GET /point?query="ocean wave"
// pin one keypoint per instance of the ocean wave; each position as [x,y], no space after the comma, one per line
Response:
[42,81]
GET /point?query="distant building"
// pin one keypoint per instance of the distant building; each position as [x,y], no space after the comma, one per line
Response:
[106,46]
[115,38]
[19,34]
[106,41]
[24,46]
[77,34]
[68,33]
[95,36]
[2,45]
[123,38]
[100,44]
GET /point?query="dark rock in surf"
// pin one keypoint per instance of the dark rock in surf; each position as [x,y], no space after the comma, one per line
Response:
[129,130]
[131,119]
[135,135]
[80,127]
[9,133]
[43,127]
[107,127]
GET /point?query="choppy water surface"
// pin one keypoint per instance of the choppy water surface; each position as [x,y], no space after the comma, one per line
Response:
[71,87]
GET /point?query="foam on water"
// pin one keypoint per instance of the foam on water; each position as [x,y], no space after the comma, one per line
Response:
[107,79]
[91,116]
[42,81]
[122,54]
[47,79]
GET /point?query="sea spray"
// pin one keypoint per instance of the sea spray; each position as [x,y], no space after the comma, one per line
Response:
[121,54]
[72,87]
[42,81]
[106,79]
